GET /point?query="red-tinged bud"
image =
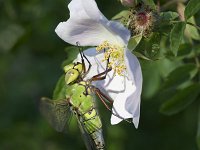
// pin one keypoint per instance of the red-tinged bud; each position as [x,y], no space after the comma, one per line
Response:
[142,20]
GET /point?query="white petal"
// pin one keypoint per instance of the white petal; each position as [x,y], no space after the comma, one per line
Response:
[135,73]
[89,27]
[119,105]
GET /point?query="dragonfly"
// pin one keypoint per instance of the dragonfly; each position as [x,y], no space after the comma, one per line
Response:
[80,101]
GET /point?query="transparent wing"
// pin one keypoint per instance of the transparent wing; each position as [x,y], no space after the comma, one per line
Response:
[57,112]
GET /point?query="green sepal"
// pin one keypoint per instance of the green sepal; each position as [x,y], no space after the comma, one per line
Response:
[59,91]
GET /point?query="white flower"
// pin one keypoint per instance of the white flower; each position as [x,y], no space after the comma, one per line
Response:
[88,26]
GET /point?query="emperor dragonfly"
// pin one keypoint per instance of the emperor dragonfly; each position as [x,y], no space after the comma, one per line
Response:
[79,100]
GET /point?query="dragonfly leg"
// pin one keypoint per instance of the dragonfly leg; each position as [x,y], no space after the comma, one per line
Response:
[82,60]
[102,97]
[100,75]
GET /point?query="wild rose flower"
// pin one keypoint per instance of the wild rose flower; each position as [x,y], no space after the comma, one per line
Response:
[88,26]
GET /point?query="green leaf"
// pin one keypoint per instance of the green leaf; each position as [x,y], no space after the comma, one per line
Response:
[150,3]
[198,129]
[184,50]
[180,75]
[9,36]
[176,36]
[134,41]
[139,55]
[123,14]
[192,7]
[59,91]
[191,30]
[72,52]
[168,16]
[181,100]
[150,47]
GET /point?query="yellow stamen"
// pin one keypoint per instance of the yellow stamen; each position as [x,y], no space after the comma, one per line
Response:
[115,54]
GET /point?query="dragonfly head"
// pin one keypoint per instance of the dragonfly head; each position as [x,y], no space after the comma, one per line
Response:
[72,72]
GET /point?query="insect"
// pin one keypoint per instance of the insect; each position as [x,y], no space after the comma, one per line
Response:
[79,100]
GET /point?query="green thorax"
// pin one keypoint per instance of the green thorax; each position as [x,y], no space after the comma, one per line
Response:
[80,97]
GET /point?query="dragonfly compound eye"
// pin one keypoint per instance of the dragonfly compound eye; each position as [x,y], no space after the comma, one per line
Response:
[68,67]
[71,76]
[79,67]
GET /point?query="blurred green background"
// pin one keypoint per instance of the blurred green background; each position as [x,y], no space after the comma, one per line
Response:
[30,58]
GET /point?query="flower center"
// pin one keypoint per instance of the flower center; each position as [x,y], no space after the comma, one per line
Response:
[114,54]
[142,18]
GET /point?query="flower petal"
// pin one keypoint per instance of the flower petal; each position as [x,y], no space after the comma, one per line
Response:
[119,105]
[135,73]
[88,26]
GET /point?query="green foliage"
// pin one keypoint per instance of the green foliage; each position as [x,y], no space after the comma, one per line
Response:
[168,16]
[198,129]
[122,15]
[150,3]
[192,8]
[180,75]
[181,100]
[30,58]
[134,41]
[176,36]
[72,52]
[192,32]
[59,91]
[9,36]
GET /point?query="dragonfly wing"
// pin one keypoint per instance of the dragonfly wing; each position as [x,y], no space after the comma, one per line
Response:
[57,112]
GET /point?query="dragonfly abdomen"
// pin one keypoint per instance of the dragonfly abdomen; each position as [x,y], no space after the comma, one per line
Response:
[93,126]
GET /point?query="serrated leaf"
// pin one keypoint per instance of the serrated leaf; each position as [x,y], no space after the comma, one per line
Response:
[59,91]
[180,75]
[192,7]
[176,36]
[168,16]
[181,100]
[134,41]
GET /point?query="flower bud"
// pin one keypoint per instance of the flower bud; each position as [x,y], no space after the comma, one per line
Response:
[142,20]
[128,3]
